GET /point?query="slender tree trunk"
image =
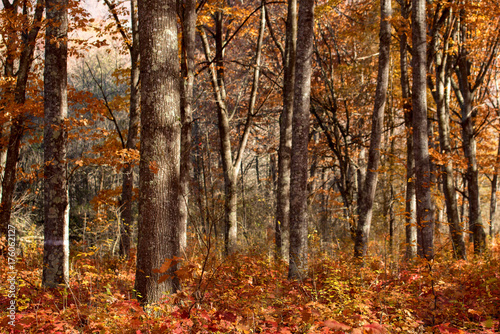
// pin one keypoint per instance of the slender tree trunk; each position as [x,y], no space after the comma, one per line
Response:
[159,167]
[300,139]
[132,139]
[493,197]
[369,184]
[411,202]
[282,225]
[187,71]
[230,166]
[425,214]
[469,147]
[56,230]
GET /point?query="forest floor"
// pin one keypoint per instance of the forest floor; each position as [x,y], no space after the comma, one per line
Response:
[249,293]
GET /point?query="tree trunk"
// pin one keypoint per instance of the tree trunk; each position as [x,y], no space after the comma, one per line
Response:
[368,186]
[56,230]
[282,226]
[410,202]
[493,197]
[425,214]
[159,166]
[300,138]
[132,139]
[440,96]
[469,147]
[230,166]
[187,71]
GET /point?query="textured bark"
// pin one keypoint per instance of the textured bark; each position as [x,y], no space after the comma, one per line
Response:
[300,138]
[188,22]
[411,202]
[132,138]
[56,229]
[159,165]
[17,127]
[282,225]
[425,214]
[368,186]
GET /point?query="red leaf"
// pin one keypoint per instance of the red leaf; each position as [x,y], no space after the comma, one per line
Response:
[336,325]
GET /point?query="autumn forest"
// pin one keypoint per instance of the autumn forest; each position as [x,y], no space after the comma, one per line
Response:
[257,166]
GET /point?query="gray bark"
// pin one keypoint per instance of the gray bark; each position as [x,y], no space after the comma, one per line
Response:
[188,22]
[230,166]
[300,138]
[410,200]
[56,228]
[425,214]
[456,231]
[282,227]
[368,185]
[159,165]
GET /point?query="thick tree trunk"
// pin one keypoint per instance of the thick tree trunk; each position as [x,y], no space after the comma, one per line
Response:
[187,71]
[300,139]
[132,139]
[368,186]
[56,229]
[425,214]
[282,226]
[159,166]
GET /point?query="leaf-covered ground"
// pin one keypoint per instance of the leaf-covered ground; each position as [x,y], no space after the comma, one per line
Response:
[249,293]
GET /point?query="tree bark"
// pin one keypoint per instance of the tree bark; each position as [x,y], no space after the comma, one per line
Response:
[425,214]
[282,225]
[56,229]
[368,186]
[188,22]
[159,166]
[300,138]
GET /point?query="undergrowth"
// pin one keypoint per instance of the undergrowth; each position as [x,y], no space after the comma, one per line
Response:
[250,293]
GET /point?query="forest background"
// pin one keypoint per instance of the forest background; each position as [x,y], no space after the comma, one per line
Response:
[365,261]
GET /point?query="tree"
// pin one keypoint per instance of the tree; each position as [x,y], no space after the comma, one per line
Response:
[56,210]
[410,196]
[368,186]
[440,88]
[425,214]
[188,21]
[17,128]
[469,80]
[285,146]
[300,139]
[159,165]
[231,165]
[126,201]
